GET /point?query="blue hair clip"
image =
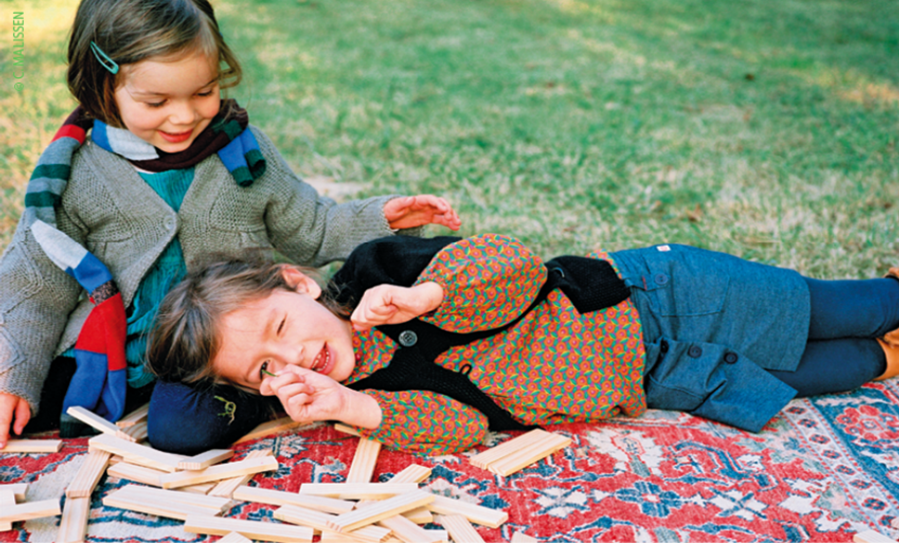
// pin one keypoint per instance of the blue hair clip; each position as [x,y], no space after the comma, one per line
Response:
[103,59]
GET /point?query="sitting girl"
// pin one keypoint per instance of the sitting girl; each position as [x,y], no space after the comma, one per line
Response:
[426,344]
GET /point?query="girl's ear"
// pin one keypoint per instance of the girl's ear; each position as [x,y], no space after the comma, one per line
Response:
[300,282]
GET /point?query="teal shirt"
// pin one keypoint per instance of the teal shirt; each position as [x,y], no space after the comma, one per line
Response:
[168,270]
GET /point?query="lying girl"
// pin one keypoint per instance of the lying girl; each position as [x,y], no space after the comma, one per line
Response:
[426,344]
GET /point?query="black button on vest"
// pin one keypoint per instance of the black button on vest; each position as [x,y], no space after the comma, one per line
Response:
[407,338]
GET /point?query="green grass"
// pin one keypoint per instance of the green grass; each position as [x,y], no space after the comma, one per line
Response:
[765,128]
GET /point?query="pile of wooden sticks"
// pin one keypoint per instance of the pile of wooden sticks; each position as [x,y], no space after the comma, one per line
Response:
[200,490]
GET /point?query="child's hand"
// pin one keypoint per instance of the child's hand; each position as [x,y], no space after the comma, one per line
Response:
[308,396]
[12,409]
[412,211]
[392,304]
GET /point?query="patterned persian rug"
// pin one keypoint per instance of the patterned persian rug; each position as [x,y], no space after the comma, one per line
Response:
[823,470]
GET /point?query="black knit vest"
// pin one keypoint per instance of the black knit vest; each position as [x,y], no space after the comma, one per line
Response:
[591,284]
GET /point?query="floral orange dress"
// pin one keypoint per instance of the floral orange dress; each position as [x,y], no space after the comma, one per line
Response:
[555,365]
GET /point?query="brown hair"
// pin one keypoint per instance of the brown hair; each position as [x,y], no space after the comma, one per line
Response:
[129,31]
[185,339]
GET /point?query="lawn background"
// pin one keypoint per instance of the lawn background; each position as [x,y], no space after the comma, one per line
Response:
[763,128]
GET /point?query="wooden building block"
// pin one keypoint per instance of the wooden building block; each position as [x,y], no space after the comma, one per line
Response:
[343,428]
[217,473]
[337,537]
[263,531]
[152,505]
[407,531]
[364,460]
[88,475]
[74,520]
[421,515]
[280,497]
[206,459]
[320,522]
[95,421]
[519,537]
[477,514]
[227,487]
[234,537]
[136,453]
[404,526]
[216,504]
[390,507]
[481,460]
[357,491]
[269,428]
[32,446]
[529,455]
[30,510]
[136,416]
[202,488]
[136,473]
[461,530]
[18,489]
[520,452]
[136,432]
[871,536]
[413,473]
[7,497]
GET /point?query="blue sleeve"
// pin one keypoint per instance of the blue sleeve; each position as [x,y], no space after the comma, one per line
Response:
[189,420]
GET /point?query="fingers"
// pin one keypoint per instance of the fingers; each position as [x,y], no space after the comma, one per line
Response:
[305,395]
[376,307]
[450,220]
[12,410]
[23,415]
[5,421]
[271,386]
[367,316]
[412,211]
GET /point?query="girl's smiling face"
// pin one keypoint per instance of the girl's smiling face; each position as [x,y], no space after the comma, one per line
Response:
[284,328]
[168,102]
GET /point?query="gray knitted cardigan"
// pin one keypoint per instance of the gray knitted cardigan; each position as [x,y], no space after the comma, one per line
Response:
[109,209]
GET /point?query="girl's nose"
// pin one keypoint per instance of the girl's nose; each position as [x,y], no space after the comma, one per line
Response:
[183,114]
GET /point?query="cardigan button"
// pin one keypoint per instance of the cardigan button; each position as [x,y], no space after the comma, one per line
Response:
[408,338]
[731,357]
[661,279]
[695,351]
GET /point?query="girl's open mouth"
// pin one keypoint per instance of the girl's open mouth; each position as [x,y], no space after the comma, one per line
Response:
[323,362]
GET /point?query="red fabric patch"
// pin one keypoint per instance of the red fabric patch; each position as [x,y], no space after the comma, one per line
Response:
[104,332]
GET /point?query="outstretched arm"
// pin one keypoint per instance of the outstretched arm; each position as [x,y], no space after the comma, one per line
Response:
[392,304]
